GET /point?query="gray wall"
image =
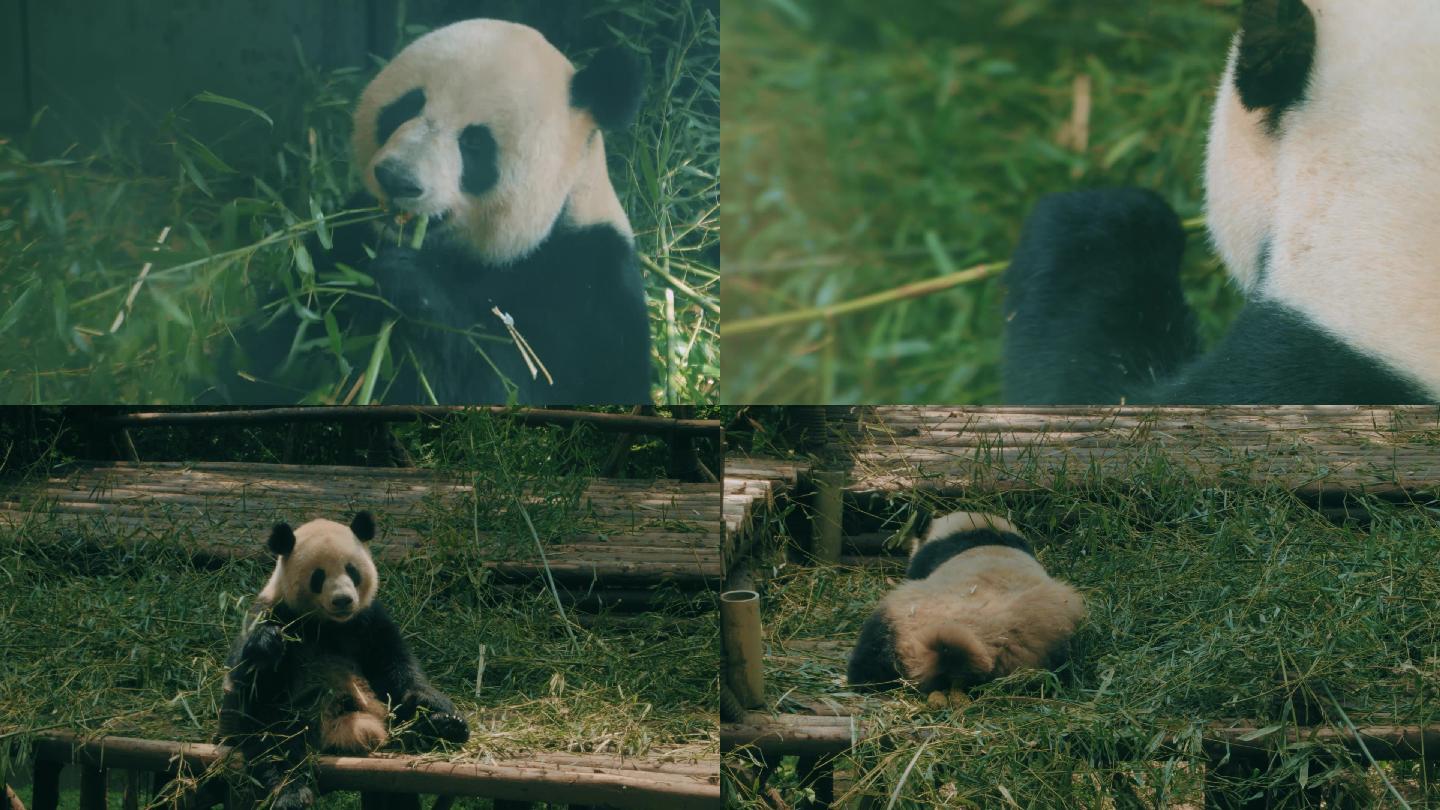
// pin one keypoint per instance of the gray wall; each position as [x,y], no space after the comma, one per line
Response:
[89,60]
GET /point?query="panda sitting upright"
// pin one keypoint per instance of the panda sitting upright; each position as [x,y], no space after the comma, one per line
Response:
[321,665]
[1323,197]
[975,606]
[487,134]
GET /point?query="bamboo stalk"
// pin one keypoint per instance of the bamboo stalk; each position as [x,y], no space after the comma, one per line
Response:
[741,643]
[828,514]
[916,289]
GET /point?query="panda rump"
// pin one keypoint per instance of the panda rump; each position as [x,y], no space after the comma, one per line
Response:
[981,609]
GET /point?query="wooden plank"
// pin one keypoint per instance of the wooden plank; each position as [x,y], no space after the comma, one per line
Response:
[598,779]
[1385,451]
[629,533]
[752,486]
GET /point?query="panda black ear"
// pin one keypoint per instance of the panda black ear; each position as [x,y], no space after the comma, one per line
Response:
[363,526]
[610,88]
[282,539]
[1277,48]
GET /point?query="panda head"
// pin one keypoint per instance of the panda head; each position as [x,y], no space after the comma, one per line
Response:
[323,568]
[1325,141]
[487,129]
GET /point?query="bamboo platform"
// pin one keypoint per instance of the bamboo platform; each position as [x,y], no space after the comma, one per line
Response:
[752,488]
[636,534]
[1383,451]
[659,781]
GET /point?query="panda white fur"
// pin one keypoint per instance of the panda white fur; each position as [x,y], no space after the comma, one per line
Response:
[321,665]
[487,131]
[975,606]
[1322,193]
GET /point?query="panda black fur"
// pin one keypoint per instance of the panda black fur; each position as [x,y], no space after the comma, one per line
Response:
[487,130]
[975,606]
[1322,192]
[321,664]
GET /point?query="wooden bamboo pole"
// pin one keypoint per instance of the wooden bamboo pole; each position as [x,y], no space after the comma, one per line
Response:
[801,734]
[622,785]
[46,794]
[828,514]
[740,642]
[787,734]
[12,799]
[92,787]
[404,413]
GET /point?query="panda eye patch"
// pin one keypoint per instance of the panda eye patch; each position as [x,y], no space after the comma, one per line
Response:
[317,580]
[480,155]
[353,573]
[397,112]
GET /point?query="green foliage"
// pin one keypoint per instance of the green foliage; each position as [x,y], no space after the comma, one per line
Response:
[879,144]
[92,309]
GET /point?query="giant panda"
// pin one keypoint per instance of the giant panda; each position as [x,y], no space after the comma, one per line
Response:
[1322,197]
[975,606]
[321,665]
[487,133]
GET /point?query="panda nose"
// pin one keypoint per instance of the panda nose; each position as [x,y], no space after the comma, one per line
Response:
[343,602]
[396,182]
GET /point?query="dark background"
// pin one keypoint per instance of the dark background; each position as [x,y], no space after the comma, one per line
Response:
[89,61]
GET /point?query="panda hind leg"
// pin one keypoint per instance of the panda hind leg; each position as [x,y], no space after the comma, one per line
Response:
[1094,311]
[356,722]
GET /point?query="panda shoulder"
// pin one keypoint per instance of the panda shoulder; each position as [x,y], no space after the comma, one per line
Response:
[934,553]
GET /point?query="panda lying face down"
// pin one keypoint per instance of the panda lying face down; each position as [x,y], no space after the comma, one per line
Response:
[975,606]
[1323,197]
[321,664]
[487,133]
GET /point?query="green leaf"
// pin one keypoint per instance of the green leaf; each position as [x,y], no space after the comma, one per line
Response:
[12,315]
[332,330]
[192,172]
[302,259]
[213,98]
[377,355]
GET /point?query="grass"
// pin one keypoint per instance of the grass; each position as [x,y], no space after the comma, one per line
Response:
[879,146]
[144,629]
[95,306]
[1205,603]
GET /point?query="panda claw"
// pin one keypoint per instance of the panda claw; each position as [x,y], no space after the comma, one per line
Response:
[450,727]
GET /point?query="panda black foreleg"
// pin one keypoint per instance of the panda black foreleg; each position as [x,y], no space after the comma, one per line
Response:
[872,663]
[395,676]
[1094,309]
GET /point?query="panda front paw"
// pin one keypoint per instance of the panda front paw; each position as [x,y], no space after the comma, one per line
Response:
[436,718]
[406,280]
[293,797]
[266,643]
